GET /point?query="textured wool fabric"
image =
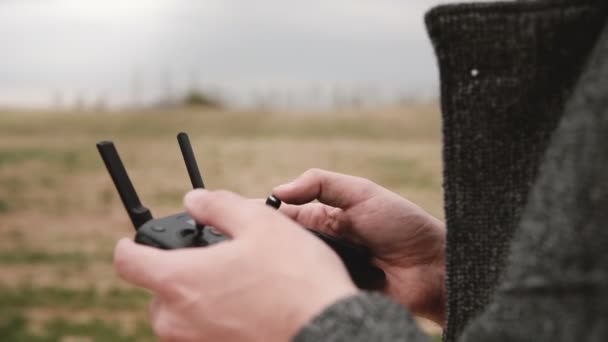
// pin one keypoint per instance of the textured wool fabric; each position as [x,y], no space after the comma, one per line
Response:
[511,74]
[556,282]
[506,72]
[364,318]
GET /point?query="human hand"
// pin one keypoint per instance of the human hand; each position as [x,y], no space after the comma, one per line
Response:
[407,242]
[263,285]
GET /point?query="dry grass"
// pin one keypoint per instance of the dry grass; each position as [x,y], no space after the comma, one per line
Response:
[60,215]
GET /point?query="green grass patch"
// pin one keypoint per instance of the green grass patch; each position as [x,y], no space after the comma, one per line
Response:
[67,160]
[15,327]
[395,172]
[12,184]
[36,257]
[18,155]
[4,206]
[13,190]
[28,296]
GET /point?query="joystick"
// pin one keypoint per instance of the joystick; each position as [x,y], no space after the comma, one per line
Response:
[181,231]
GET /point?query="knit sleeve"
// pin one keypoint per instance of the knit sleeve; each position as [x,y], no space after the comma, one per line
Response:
[555,284]
[363,318]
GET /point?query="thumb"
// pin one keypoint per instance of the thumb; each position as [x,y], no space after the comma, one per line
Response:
[330,188]
[141,265]
[230,213]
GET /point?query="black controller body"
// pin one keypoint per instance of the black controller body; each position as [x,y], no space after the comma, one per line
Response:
[180,231]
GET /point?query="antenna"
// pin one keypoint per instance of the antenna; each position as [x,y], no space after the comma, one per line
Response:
[192,167]
[190,160]
[137,212]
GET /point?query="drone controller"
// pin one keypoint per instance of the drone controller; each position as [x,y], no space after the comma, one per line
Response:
[181,231]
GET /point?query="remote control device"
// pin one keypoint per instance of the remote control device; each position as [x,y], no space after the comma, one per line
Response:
[181,231]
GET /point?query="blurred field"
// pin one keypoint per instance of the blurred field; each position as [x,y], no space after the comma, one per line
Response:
[60,215]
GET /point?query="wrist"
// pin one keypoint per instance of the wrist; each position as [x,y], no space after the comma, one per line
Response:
[310,306]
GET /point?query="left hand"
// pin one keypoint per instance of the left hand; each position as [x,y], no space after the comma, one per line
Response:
[263,285]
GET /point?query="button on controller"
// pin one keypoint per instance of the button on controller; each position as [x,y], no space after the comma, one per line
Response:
[214,231]
[158,229]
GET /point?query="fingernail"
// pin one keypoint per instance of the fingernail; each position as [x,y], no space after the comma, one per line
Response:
[193,197]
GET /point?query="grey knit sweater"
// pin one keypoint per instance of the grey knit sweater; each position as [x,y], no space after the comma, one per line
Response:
[525,107]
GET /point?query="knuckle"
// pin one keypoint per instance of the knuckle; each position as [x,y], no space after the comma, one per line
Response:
[167,283]
[314,172]
[319,216]
[365,182]
[335,221]
[165,286]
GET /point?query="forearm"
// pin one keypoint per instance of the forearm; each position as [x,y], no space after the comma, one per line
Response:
[364,317]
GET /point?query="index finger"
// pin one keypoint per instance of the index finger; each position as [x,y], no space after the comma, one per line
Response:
[334,189]
[165,272]
[142,266]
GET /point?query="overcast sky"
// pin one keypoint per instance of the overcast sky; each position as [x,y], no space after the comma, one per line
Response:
[126,50]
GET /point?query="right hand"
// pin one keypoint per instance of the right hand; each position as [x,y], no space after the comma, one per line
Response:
[406,241]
